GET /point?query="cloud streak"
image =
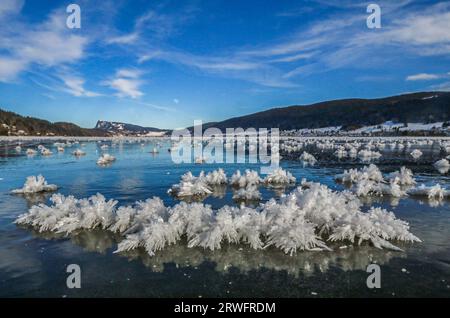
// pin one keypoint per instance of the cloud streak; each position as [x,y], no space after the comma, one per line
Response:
[47,44]
[422,77]
[126,83]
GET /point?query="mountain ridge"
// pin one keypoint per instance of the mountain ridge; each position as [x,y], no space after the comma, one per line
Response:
[350,114]
[12,123]
[114,127]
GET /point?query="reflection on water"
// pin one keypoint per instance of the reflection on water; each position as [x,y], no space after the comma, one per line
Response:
[245,260]
[35,198]
[347,258]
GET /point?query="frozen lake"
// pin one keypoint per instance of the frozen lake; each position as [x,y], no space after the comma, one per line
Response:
[34,264]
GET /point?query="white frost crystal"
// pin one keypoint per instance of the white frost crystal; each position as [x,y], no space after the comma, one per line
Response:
[305,219]
[35,184]
[416,154]
[78,153]
[370,172]
[279,177]
[216,177]
[435,192]
[307,159]
[405,176]
[250,192]
[442,164]
[105,159]
[191,186]
[31,152]
[242,180]
[370,181]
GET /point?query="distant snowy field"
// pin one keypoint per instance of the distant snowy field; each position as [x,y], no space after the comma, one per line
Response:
[386,127]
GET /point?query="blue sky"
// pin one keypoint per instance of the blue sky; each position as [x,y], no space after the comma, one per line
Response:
[165,63]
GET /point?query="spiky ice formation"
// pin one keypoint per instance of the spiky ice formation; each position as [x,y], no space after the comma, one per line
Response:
[45,151]
[105,159]
[416,154]
[31,152]
[303,220]
[370,172]
[216,177]
[369,187]
[190,186]
[369,181]
[307,159]
[249,193]
[442,164]
[68,214]
[35,184]
[435,192]
[368,154]
[78,153]
[405,176]
[242,180]
[279,177]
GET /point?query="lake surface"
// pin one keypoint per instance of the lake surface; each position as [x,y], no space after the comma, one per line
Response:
[34,264]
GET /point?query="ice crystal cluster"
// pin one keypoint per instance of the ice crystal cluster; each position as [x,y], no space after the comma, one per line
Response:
[105,159]
[416,154]
[279,177]
[35,184]
[249,193]
[307,159]
[249,177]
[190,186]
[370,181]
[246,184]
[308,218]
[78,153]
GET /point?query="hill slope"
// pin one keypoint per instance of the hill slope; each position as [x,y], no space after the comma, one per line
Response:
[418,107]
[19,125]
[125,129]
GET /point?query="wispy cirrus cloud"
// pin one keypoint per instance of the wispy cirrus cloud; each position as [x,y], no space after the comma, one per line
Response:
[10,7]
[153,24]
[47,44]
[423,77]
[65,81]
[123,39]
[75,86]
[126,83]
[442,87]
[340,40]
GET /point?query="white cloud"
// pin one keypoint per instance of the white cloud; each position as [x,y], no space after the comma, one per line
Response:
[127,83]
[124,39]
[8,7]
[49,96]
[154,106]
[235,66]
[9,68]
[442,87]
[129,73]
[176,101]
[422,77]
[48,44]
[431,28]
[295,57]
[75,86]
[126,87]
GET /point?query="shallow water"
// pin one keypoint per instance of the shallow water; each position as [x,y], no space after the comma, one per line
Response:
[33,264]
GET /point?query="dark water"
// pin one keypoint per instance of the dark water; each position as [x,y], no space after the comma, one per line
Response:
[33,264]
